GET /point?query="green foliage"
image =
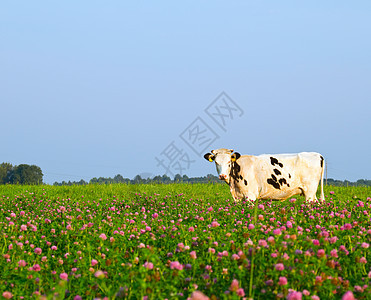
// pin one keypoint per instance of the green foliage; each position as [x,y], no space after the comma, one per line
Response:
[22,174]
[164,179]
[125,241]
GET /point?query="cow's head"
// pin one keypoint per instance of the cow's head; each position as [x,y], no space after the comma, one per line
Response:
[223,159]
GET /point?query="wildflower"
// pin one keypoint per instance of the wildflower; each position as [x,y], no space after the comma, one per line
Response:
[215,224]
[211,250]
[365,245]
[348,296]
[240,292]
[271,240]
[77,297]
[363,260]
[99,274]
[348,226]
[279,267]
[23,227]
[321,253]
[36,268]
[197,295]
[54,248]
[315,242]
[277,231]
[333,239]
[294,295]
[282,280]
[22,263]
[269,282]
[334,253]
[235,257]
[94,262]
[63,276]
[193,254]
[234,285]
[262,243]
[176,265]
[7,295]
[358,289]
[103,237]
[191,229]
[38,251]
[251,226]
[208,268]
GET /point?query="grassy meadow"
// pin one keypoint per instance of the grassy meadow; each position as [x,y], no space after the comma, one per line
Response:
[181,241]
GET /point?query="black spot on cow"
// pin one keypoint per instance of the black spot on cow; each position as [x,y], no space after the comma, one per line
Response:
[274,178]
[288,185]
[274,161]
[275,184]
[245,182]
[277,172]
[322,159]
[241,177]
[282,181]
[235,170]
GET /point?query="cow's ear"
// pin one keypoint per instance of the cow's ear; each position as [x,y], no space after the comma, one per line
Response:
[209,157]
[235,156]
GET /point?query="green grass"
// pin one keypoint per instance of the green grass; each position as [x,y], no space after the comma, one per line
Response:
[128,228]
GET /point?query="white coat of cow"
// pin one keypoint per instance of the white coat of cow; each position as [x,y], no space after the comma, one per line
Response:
[269,176]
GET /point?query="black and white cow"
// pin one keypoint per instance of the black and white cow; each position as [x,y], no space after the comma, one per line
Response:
[269,176]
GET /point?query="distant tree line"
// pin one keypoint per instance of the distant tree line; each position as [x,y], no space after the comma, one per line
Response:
[359,182]
[164,179]
[21,174]
[31,174]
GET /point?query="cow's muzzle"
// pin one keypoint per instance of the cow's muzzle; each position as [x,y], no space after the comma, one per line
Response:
[223,177]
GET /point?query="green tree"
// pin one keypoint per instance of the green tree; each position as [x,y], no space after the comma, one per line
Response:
[26,174]
[6,170]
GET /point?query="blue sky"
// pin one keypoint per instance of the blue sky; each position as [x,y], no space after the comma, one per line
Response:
[91,89]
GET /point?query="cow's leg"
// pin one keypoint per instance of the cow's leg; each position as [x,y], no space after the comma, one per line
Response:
[250,197]
[310,194]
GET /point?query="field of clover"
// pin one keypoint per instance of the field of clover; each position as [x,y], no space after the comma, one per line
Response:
[181,241]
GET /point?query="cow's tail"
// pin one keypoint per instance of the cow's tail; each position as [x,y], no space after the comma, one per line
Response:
[322,175]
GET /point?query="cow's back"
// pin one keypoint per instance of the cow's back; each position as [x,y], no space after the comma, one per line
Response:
[279,176]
